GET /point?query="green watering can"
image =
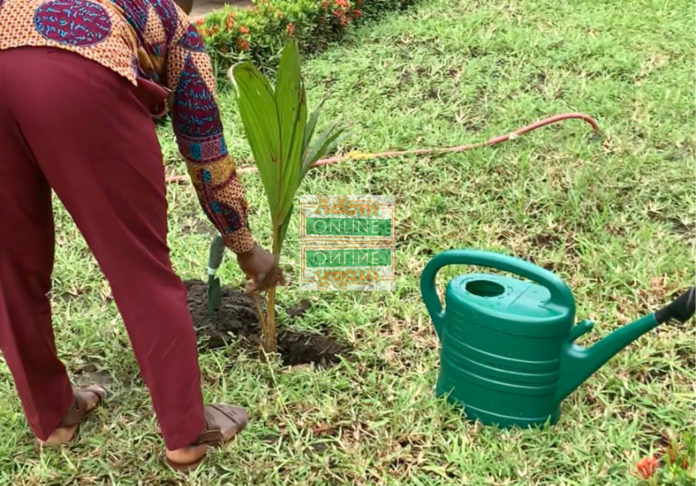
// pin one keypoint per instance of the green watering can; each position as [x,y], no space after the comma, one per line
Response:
[508,352]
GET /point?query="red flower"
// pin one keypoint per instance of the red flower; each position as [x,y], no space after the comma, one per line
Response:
[243,30]
[647,467]
[357,13]
[230,21]
[243,44]
[199,22]
[290,29]
[342,17]
[685,463]
[342,3]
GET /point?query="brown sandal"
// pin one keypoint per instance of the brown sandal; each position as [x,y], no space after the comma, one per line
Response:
[222,423]
[78,411]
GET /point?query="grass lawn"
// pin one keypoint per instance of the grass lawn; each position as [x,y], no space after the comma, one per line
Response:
[614,218]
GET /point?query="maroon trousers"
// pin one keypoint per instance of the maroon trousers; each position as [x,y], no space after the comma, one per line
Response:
[71,125]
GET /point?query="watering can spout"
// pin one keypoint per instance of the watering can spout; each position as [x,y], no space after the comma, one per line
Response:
[578,363]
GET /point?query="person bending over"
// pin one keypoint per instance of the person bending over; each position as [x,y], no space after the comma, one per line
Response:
[80,84]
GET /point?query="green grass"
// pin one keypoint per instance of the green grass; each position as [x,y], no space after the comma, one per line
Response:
[614,218]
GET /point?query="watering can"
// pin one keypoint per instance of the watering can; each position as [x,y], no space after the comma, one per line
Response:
[508,352]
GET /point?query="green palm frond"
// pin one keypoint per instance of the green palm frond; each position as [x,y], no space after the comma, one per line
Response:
[281,137]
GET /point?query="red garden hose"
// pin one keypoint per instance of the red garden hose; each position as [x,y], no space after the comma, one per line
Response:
[428,151]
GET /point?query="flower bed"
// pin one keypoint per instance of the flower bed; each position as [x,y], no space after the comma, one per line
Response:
[259,33]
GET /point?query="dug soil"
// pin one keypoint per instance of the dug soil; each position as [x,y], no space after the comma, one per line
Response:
[238,321]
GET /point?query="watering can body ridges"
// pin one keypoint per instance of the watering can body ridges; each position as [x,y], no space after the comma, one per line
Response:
[501,349]
[507,345]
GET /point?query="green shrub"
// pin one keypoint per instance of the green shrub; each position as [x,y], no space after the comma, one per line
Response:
[258,34]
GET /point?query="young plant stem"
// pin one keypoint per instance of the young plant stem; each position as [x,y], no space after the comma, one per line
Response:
[262,317]
[263,321]
[269,333]
[270,338]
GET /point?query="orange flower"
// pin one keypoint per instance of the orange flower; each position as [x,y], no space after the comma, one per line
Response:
[199,22]
[647,467]
[342,3]
[685,462]
[342,17]
[357,13]
[290,29]
[230,21]
[243,44]
[243,30]
[213,30]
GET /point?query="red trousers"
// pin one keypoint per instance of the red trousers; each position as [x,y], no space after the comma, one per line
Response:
[71,125]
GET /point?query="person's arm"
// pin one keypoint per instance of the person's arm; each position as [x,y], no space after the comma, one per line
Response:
[198,130]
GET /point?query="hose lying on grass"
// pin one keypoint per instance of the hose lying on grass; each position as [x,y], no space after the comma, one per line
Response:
[357,155]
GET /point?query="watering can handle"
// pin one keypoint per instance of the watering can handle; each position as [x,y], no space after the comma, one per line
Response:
[560,292]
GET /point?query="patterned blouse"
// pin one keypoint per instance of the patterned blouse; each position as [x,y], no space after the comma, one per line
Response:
[150,40]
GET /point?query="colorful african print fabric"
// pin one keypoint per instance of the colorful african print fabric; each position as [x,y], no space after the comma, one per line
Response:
[153,40]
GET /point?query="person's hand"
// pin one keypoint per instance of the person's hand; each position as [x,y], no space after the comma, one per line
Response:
[258,266]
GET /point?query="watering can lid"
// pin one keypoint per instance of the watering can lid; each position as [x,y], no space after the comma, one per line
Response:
[507,298]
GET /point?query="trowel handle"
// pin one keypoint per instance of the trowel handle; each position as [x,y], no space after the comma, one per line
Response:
[560,293]
[217,250]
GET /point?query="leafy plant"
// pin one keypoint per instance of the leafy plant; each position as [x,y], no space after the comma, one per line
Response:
[673,464]
[235,34]
[284,146]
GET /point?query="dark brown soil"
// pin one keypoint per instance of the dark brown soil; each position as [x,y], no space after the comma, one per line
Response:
[237,320]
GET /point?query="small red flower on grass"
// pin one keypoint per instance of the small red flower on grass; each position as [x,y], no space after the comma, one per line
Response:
[243,44]
[244,30]
[290,29]
[647,467]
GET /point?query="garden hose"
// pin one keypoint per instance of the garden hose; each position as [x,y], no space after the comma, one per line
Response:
[357,155]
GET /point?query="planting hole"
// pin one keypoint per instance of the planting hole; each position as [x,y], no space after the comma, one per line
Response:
[237,322]
[485,288]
